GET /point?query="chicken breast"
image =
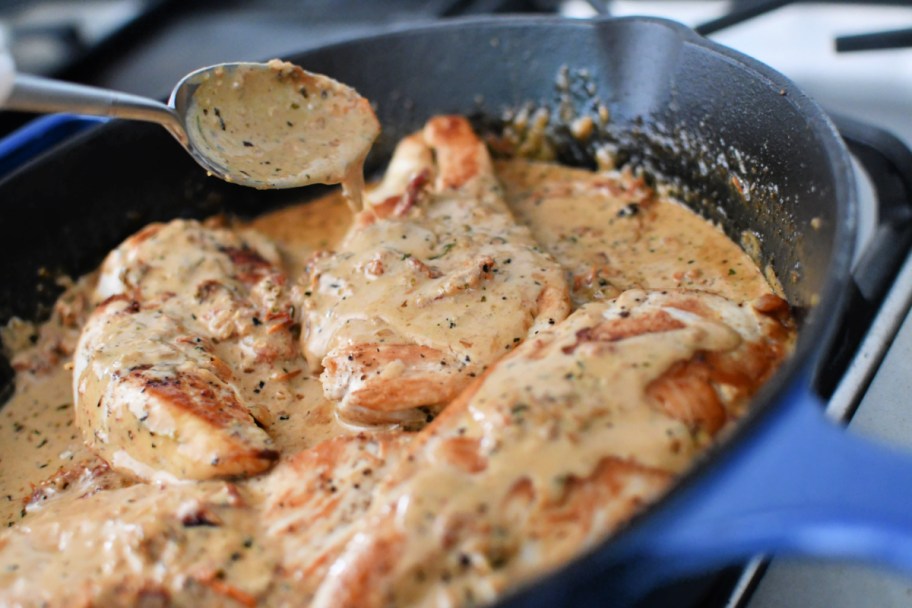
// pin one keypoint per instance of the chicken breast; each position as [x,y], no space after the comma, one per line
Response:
[434,282]
[225,285]
[154,400]
[146,545]
[313,501]
[169,367]
[558,445]
[87,541]
[72,483]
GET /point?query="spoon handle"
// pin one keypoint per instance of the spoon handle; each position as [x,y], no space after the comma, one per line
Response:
[36,94]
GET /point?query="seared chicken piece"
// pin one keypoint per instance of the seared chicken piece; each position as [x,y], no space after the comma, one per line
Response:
[169,368]
[154,400]
[434,282]
[225,285]
[560,443]
[314,500]
[75,482]
[184,545]
[268,542]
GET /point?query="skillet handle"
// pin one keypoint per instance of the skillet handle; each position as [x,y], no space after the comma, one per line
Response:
[797,484]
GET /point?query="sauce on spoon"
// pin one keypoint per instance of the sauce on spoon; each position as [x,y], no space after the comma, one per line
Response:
[283,127]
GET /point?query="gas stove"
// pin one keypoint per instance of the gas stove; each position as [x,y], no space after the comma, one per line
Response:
[157,41]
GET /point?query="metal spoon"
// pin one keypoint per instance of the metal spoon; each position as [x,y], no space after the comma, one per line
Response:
[265,125]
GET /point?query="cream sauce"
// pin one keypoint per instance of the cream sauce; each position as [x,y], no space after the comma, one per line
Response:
[550,413]
[457,276]
[38,436]
[585,220]
[191,544]
[612,233]
[282,127]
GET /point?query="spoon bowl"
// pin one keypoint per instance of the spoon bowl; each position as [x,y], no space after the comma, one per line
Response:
[264,125]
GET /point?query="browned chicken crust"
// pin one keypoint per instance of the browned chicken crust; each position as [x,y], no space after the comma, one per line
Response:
[314,500]
[190,309]
[154,399]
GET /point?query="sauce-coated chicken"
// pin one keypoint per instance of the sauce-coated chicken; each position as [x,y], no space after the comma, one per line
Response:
[558,444]
[550,431]
[434,282]
[164,368]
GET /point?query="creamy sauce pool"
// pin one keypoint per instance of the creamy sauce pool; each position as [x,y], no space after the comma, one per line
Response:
[609,232]
[615,234]
[37,437]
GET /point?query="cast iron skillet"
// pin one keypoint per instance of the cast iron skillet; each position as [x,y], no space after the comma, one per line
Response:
[739,142]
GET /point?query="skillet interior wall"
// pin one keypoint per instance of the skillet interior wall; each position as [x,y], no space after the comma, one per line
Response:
[688,114]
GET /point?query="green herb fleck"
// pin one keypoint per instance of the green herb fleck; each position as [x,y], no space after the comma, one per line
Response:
[446,250]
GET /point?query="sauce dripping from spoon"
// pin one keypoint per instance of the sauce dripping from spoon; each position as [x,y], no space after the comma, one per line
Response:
[282,127]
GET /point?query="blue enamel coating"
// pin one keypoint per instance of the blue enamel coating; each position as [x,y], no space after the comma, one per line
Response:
[797,485]
[40,135]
